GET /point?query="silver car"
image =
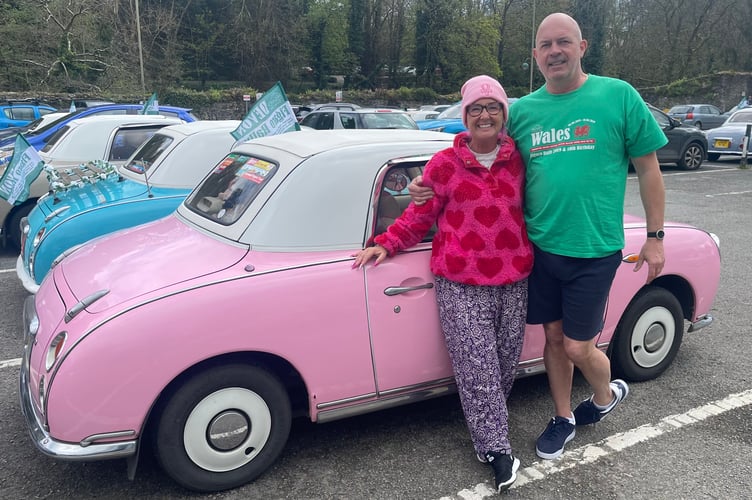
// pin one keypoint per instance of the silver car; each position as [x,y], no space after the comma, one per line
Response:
[702,116]
[728,138]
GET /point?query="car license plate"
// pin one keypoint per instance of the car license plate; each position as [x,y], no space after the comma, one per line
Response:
[722,143]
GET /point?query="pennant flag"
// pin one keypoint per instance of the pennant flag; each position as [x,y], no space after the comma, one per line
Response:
[270,115]
[72,107]
[24,167]
[151,107]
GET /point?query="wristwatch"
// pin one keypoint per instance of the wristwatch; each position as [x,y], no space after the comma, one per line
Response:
[658,235]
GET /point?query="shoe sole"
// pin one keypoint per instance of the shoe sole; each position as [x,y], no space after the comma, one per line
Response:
[624,393]
[557,453]
[505,485]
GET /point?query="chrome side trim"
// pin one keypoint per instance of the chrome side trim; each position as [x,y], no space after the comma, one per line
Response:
[88,441]
[383,404]
[701,322]
[355,399]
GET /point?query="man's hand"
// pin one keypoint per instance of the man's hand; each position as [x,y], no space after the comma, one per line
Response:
[652,253]
[418,192]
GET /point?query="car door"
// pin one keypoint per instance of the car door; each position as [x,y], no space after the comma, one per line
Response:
[670,152]
[712,117]
[406,338]
[407,342]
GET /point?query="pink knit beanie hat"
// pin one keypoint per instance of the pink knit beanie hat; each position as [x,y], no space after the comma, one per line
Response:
[482,87]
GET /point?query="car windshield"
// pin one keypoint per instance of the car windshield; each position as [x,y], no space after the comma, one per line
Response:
[148,153]
[380,119]
[744,117]
[231,187]
[453,111]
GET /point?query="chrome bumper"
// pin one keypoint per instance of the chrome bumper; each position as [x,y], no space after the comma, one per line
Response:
[57,449]
[28,283]
[701,322]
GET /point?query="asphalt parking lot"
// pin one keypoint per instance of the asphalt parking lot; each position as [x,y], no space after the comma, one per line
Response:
[685,435]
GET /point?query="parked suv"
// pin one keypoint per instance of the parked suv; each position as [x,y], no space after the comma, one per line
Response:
[702,116]
[17,113]
[324,119]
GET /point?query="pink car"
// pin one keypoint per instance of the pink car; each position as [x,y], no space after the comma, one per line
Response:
[208,330]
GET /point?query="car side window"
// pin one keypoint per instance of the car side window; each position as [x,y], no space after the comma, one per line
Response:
[326,121]
[22,113]
[394,198]
[347,120]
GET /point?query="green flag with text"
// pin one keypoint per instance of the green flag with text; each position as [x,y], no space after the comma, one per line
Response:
[151,107]
[23,168]
[270,115]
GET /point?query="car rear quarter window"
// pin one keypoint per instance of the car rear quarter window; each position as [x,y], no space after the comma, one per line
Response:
[126,142]
[148,153]
[55,137]
[231,187]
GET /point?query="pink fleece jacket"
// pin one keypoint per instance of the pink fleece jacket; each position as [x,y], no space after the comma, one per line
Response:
[481,237]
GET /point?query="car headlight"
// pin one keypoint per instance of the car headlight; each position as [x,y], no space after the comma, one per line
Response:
[54,350]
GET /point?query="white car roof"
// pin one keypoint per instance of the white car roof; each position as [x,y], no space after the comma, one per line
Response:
[306,143]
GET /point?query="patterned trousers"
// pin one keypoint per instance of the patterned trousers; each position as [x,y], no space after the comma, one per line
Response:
[484,327]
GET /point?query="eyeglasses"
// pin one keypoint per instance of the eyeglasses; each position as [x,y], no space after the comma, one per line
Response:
[476,109]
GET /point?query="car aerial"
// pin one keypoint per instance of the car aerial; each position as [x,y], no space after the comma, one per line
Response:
[728,138]
[200,335]
[687,145]
[703,116]
[112,138]
[382,118]
[150,185]
[17,113]
[39,137]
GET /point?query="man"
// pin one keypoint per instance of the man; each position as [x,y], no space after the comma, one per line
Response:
[576,135]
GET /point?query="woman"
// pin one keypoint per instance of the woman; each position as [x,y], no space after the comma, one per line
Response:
[480,258]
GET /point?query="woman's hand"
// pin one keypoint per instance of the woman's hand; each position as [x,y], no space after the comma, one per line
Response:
[362,257]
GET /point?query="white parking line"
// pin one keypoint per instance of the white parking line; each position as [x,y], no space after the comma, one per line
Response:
[10,362]
[8,270]
[612,444]
[591,452]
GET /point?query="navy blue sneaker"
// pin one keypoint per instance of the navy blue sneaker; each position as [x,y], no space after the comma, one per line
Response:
[558,433]
[505,469]
[587,413]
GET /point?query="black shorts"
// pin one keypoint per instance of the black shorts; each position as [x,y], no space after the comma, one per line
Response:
[571,289]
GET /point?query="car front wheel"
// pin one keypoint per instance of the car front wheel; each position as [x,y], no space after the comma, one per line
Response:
[648,335]
[223,428]
[692,157]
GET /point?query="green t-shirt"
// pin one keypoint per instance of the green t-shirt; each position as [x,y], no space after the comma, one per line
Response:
[576,148]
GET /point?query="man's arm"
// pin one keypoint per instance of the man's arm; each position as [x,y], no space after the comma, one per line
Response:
[653,195]
[418,192]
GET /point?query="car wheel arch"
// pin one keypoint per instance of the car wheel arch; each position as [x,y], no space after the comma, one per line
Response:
[273,368]
[11,231]
[667,298]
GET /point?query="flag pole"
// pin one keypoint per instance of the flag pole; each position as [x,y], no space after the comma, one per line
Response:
[140,49]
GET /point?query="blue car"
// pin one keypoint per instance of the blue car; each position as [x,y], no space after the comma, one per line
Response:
[449,120]
[152,184]
[39,138]
[18,113]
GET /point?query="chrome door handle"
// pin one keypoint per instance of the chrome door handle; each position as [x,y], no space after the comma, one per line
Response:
[396,290]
